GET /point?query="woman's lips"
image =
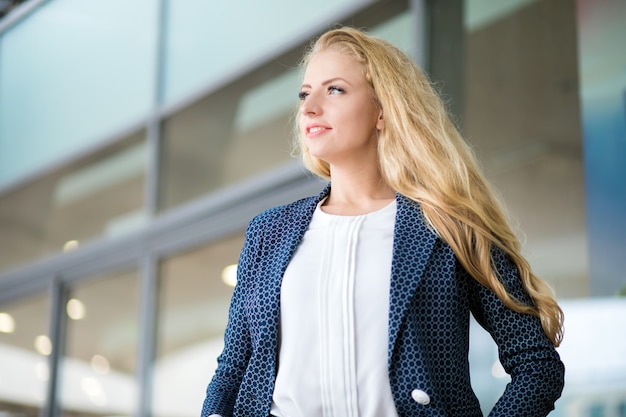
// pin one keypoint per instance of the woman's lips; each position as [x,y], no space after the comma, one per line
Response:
[316,130]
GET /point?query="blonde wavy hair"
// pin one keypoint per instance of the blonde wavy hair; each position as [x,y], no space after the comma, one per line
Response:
[423,157]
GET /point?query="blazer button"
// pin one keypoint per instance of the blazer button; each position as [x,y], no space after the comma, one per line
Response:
[420,397]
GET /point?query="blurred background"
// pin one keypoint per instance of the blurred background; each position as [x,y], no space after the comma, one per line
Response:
[138,138]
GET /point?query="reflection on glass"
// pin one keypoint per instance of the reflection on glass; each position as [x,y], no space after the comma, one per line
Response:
[98,375]
[193,310]
[43,345]
[197,33]
[75,309]
[24,371]
[53,103]
[232,134]
[99,195]
[522,116]
[7,323]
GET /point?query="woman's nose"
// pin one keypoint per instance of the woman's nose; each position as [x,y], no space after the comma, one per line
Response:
[310,106]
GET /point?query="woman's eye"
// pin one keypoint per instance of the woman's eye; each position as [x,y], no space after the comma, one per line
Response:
[303,95]
[335,90]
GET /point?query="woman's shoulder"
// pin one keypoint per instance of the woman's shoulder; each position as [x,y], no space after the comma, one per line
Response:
[287,213]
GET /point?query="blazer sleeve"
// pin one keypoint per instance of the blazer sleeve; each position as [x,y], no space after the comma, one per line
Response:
[525,352]
[222,391]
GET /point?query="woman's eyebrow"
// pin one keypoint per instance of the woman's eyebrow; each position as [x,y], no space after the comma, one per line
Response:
[329,81]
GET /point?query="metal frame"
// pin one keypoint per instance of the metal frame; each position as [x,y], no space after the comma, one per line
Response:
[19,13]
[421,54]
[153,131]
[203,220]
[445,57]
[58,295]
[147,337]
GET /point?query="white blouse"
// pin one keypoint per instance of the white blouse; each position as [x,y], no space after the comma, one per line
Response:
[334,319]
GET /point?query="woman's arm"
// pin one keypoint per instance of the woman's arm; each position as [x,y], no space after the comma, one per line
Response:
[222,391]
[526,353]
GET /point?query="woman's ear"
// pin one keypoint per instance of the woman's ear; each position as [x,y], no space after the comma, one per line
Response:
[380,123]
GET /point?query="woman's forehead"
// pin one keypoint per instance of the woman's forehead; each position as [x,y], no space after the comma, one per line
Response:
[328,64]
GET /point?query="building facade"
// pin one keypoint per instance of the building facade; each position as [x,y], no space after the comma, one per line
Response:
[137,139]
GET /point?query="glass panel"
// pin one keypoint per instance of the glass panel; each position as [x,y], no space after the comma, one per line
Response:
[202,48]
[100,195]
[98,374]
[88,71]
[193,311]
[230,135]
[601,35]
[522,117]
[24,350]
[243,129]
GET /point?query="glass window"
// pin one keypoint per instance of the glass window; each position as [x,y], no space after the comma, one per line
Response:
[202,47]
[602,63]
[99,195]
[229,135]
[193,311]
[522,116]
[245,128]
[72,73]
[98,372]
[24,350]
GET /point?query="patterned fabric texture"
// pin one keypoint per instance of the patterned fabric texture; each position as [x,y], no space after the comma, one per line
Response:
[431,298]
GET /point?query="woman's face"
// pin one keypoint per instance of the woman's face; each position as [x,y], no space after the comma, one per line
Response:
[338,116]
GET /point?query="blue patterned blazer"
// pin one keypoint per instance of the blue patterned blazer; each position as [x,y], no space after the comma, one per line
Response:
[431,298]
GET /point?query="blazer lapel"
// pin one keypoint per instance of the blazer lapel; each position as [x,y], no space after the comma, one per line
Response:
[296,222]
[413,243]
[292,225]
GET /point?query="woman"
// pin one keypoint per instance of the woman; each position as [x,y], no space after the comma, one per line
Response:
[356,302]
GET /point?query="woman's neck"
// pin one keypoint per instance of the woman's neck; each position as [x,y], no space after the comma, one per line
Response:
[357,192]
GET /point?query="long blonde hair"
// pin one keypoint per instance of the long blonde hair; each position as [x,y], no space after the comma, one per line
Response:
[423,156]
